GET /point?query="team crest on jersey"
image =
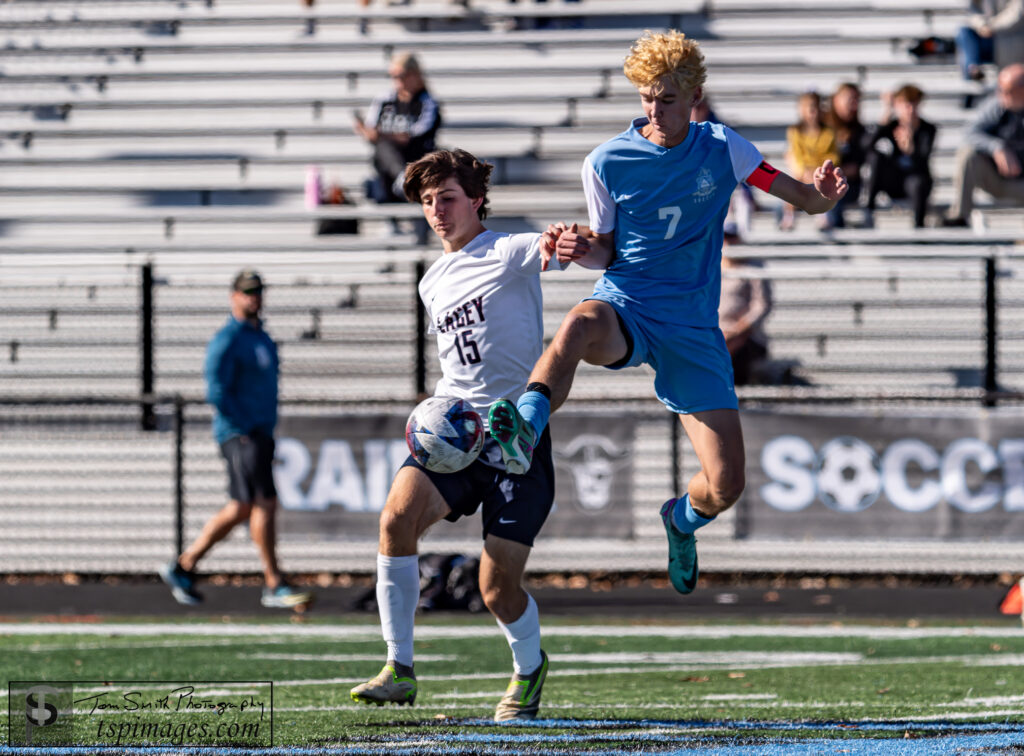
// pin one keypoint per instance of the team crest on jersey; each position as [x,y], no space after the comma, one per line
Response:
[705,185]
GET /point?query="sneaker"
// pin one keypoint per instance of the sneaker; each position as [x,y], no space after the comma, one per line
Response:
[514,435]
[284,596]
[396,683]
[522,697]
[955,222]
[682,552]
[181,582]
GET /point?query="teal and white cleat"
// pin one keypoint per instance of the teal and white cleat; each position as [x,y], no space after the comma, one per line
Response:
[396,684]
[522,698]
[682,552]
[516,437]
[284,596]
[181,582]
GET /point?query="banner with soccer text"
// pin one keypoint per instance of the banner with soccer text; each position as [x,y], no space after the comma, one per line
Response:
[333,475]
[894,473]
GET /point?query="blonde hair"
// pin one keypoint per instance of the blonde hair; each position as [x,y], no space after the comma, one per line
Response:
[668,54]
[407,61]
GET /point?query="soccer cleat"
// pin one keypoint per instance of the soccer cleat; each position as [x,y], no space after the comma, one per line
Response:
[515,436]
[682,552]
[522,697]
[181,582]
[284,596]
[388,686]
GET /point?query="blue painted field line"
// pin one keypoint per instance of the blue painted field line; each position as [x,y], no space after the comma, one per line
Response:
[528,739]
[700,747]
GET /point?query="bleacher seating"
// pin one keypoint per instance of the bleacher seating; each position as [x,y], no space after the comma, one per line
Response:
[178,134]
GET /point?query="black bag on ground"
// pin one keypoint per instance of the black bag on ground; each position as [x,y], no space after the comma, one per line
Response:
[448,582]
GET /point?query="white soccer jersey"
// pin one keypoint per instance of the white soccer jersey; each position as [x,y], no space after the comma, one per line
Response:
[484,303]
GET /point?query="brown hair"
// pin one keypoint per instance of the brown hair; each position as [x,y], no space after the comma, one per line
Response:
[668,54]
[845,129]
[434,168]
[910,93]
[816,99]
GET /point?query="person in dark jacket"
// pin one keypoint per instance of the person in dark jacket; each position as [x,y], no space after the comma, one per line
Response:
[401,125]
[241,372]
[843,117]
[992,156]
[898,153]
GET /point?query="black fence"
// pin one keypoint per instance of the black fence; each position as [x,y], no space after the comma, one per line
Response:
[356,331]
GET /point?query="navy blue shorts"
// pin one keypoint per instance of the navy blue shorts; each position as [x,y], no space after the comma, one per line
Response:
[250,467]
[514,506]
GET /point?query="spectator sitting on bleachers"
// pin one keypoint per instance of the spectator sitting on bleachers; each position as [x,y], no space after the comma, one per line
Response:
[899,150]
[994,34]
[401,125]
[742,309]
[992,156]
[809,144]
[843,117]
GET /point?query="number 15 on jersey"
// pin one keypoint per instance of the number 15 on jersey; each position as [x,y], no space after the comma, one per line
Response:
[466,346]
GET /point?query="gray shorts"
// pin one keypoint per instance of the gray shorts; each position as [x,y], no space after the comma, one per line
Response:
[250,463]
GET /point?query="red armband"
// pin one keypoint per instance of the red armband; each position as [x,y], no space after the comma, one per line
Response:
[763,176]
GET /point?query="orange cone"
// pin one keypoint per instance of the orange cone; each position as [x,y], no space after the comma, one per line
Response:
[1013,603]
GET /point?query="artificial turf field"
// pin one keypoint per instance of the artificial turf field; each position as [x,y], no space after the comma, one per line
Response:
[622,687]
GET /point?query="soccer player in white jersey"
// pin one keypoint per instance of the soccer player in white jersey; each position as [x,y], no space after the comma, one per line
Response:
[483,298]
[657,195]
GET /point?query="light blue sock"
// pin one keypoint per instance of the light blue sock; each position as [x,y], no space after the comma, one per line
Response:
[535,409]
[684,518]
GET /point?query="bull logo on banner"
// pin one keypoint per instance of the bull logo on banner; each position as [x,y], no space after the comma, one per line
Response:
[333,474]
[592,461]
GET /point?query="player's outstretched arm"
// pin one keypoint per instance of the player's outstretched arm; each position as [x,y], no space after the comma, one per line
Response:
[828,188]
[578,244]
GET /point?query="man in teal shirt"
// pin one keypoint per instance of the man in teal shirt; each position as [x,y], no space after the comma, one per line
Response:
[241,376]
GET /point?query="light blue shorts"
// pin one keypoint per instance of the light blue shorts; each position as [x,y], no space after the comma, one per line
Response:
[692,367]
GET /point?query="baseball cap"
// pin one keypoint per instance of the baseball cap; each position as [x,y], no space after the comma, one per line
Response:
[249,281]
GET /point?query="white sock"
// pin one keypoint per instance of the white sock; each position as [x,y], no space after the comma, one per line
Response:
[398,592]
[524,638]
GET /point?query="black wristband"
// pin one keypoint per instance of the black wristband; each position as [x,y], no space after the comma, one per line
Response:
[540,388]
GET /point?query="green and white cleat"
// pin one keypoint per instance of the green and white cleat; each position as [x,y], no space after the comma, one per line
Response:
[516,437]
[522,697]
[396,684]
[682,552]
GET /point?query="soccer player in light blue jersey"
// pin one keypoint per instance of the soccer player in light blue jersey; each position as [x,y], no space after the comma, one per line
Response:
[657,196]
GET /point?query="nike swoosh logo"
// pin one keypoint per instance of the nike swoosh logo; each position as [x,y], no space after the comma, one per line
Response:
[503,521]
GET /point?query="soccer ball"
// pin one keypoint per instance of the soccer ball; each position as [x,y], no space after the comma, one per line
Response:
[444,434]
[849,475]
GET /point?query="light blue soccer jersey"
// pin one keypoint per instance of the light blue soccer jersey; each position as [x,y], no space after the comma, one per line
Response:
[667,207]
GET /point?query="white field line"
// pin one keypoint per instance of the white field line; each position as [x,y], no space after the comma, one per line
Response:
[713,657]
[787,658]
[956,715]
[993,701]
[753,660]
[183,643]
[779,705]
[225,689]
[344,657]
[440,632]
